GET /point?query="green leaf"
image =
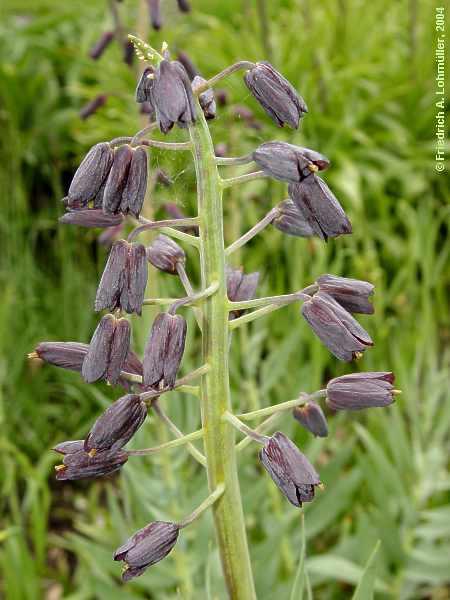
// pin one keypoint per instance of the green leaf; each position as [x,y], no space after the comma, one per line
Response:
[366,584]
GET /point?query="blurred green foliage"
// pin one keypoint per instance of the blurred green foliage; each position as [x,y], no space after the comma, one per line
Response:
[366,71]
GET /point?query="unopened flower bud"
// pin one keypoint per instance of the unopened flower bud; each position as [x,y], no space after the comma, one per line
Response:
[144,86]
[206,99]
[92,107]
[241,287]
[117,179]
[68,355]
[108,350]
[97,50]
[320,208]
[275,94]
[287,162]
[335,327]
[290,470]
[117,425]
[172,96]
[164,351]
[82,465]
[147,547]
[134,192]
[291,221]
[311,416]
[361,390]
[90,175]
[165,254]
[352,294]
[90,217]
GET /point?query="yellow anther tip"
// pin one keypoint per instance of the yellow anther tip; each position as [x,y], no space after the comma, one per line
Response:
[313,168]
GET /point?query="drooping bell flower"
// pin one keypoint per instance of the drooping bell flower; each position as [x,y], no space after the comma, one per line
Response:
[117,425]
[90,175]
[164,351]
[352,294]
[290,470]
[107,351]
[311,416]
[172,96]
[287,162]
[165,254]
[124,278]
[275,94]
[147,547]
[361,390]
[319,207]
[335,327]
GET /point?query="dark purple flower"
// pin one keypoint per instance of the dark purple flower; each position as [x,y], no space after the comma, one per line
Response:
[68,355]
[275,94]
[361,390]
[165,254]
[136,185]
[290,470]
[319,207]
[291,221]
[147,547]
[335,327]
[206,99]
[82,465]
[287,162]
[71,355]
[164,351]
[144,86]
[90,175]
[124,278]
[97,50]
[117,179]
[90,217]
[311,416]
[352,294]
[107,351]
[240,287]
[117,425]
[69,447]
[172,96]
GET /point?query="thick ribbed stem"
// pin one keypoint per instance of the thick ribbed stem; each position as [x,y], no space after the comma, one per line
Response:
[219,436]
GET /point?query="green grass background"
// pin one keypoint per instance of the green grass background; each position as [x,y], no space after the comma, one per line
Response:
[366,70]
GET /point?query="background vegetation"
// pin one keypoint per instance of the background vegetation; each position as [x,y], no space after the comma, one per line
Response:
[366,71]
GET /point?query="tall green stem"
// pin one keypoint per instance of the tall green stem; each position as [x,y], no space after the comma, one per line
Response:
[219,436]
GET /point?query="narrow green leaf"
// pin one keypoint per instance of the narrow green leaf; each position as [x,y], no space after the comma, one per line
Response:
[364,590]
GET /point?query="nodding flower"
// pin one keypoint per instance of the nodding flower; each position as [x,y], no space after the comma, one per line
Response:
[290,470]
[275,94]
[147,547]
[335,327]
[361,390]
[287,162]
